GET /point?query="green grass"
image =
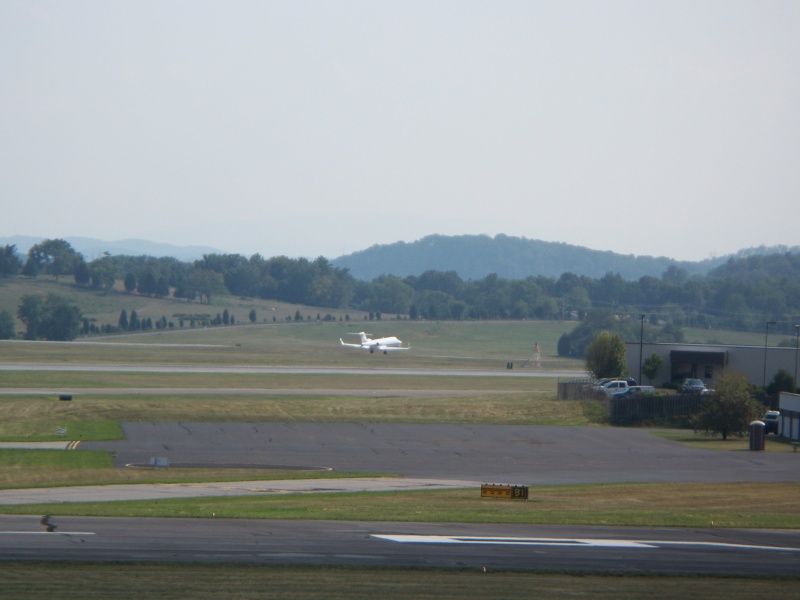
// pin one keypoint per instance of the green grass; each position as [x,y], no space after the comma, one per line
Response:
[734,443]
[46,580]
[436,345]
[60,380]
[738,505]
[50,427]
[464,345]
[34,418]
[55,468]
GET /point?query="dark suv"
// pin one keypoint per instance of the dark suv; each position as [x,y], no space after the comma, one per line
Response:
[693,386]
[771,421]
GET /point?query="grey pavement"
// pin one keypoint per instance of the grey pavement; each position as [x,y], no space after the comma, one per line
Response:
[422,456]
[110,493]
[527,455]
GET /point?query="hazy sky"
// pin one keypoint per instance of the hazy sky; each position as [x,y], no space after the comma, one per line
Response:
[312,128]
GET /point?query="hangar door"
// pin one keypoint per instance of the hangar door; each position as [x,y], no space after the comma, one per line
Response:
[697,364]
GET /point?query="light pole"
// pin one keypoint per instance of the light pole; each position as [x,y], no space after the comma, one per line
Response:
[796,348]
[766,343]
[641,342]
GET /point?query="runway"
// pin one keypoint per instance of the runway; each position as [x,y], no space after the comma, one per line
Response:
[277,369]
[478,546]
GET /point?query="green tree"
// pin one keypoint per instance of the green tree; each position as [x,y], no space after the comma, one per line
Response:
[390,294]
[103,273]
[652,366]
[162,288]
[413,313]
[30,313]
[728,410]
[82,273]
[253,316]
[54,257]
[605,355]
[62,319]
[130,282]
[51,318]
[574,344]
[7,326]
[207,283]
[123,320]
[146,284]
[31,268]
[782,382]
[10,263]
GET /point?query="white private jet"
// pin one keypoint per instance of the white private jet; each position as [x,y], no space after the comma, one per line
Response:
[385,344]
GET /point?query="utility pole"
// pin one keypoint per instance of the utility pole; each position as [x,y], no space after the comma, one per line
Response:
[766,343]
[641,347]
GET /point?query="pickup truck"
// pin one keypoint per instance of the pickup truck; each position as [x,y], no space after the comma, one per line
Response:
[634,390]
[615,386]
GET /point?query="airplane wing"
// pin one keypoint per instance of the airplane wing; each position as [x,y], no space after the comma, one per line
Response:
[392,348]
[349,345]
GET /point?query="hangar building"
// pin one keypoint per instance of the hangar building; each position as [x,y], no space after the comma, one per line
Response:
[709,362]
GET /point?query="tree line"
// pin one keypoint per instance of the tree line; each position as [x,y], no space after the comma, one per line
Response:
[741,294]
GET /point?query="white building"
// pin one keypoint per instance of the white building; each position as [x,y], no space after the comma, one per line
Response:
[789,425]
[709,362]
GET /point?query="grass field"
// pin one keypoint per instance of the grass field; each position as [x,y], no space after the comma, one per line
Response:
[739,505]
[46,580]
[95,414]
[467,345]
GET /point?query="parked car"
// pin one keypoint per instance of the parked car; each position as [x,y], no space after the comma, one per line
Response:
[635,390]
[693,386]
[771,421]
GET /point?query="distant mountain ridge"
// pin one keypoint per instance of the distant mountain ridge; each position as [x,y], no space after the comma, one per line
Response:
[472,257]
[476,256]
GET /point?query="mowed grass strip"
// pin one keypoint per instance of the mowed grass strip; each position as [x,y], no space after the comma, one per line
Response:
[465,345]
[734,443]
[34,418]
[55,468]
[739,505]
[45,580]
[59,380]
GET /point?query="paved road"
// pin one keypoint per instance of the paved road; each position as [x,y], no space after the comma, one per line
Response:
[635,550]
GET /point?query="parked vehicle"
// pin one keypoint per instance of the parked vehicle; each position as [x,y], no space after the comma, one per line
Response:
[693,386]
[614,387]
[636,390]
[771,421]
[601,382]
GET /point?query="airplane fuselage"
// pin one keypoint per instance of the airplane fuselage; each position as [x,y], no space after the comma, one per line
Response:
[384,344]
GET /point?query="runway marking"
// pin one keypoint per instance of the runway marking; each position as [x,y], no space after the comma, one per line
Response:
[562,542]
[511,541]
[47,533]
